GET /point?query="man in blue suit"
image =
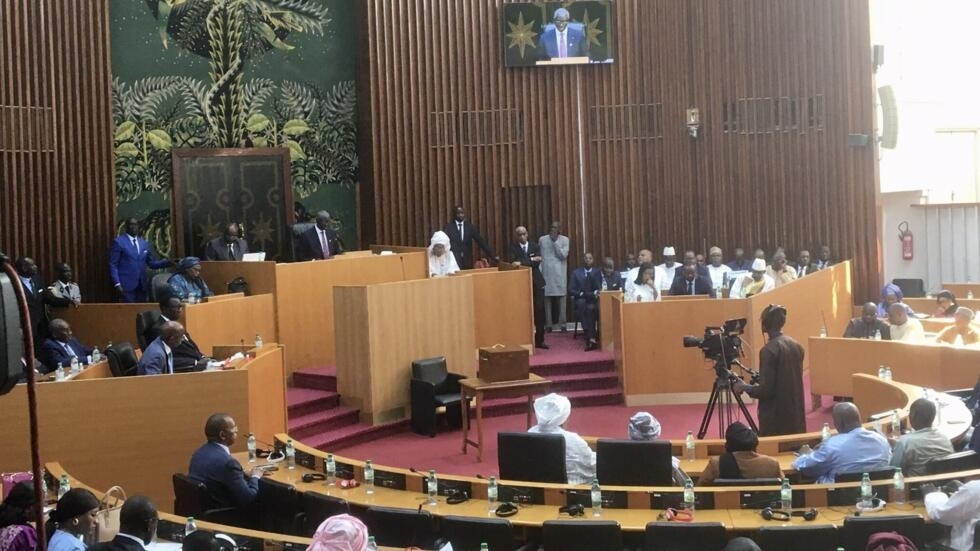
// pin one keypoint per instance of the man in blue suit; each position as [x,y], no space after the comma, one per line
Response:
[561,39]
[61,347]
[129,256]
[158,358]
[584,288]
[320,242]
[213,465]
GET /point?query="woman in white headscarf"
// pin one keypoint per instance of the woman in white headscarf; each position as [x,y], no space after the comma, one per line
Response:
[340,533]
[552,411]
[441,263]
[643,426]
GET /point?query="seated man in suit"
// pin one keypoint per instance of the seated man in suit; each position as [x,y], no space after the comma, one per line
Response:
[319,242]
[584,288]
[868,325]
[690,283]
[526,253]
[138,520]
[823,259]
[802,265]
[561,39]
[739,263]
[186,355]
[158,357]
[691,258]
[227,246]
[611,279]
[61,347]
[213,465]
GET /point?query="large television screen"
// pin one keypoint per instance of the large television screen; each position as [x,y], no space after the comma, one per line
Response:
[558,33]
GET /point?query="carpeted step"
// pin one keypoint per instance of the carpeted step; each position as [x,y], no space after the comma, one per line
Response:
[337,439]
[302,401]
[305,426]
[572,368]
[317,378]
[563,384]
[579,398]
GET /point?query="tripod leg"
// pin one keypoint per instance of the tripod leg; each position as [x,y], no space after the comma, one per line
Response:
[745,412]
[709,409]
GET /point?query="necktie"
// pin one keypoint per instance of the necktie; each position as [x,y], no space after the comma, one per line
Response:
[136,245]
[27,284]
[170,363]
[69,350]
[524,248]
[460,231]
[323,243]
[690,287]
[231,251]
[562,47]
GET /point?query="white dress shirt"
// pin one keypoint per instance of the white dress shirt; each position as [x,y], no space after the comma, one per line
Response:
[961,511]
[718,275]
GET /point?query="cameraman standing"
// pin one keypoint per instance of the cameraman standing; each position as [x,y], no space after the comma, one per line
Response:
[780,387]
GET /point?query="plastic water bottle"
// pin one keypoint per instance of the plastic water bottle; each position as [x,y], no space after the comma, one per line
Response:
[432,487]
[371,544]
[290,455]
[331,470]
[253,447]
[896,424]
[689,494]
[74,366]
[899,494]
[823,331]
[59,373]
[825,432]
[368,477]
[689,450]
[190,527]
[718,293]
[63,486]
[969,294]
[492,494]
[865,490]
[484,547]
[881,372]
[596,495]
[888,373]
[96,355]
[258,341]
[877,334]
[88,360]
[786,495]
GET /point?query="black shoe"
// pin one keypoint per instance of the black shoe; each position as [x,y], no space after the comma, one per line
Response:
[542,346]
[564,328]
[592,345]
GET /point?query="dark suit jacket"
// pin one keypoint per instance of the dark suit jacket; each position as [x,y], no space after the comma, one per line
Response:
[517,255]
[587,286]
[309,248]
[463,249]
[154,360]
[857,329]
[116,544]
[810,268]
[35,308]
[217,249]
[52,353]
[223,476]
[127,268]
[702,286]
[186,355]
[578,44]
[614,281]
[745,264]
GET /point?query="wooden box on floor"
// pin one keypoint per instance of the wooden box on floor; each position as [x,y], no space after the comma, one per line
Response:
[503,363]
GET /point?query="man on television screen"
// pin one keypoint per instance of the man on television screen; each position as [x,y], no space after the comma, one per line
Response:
[562,39]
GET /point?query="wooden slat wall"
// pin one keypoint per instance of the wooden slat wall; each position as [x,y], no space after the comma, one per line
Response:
[634,179]
[57,199]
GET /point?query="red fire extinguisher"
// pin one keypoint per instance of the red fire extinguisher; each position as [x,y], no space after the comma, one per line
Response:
[907,240]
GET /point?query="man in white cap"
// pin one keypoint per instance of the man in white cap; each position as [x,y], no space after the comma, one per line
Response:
[717,271]
[552,411]
[757,282]
[645,427]
[667,271]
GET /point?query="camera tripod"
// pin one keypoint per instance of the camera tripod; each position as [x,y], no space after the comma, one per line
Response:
[722,391]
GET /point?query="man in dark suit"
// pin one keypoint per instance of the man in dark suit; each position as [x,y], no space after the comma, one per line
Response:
[462,234]
[691,259]
[866,326]
[691,283]
[129,257]
[584,288]
[320,242]
[61,347]
[802,265]
[137,526]
[34,293]
[823,258]
[227,246]
[213,465]
[526,253]
[611,279]
[561,39]
[739,263]
[158,357]
[186,355]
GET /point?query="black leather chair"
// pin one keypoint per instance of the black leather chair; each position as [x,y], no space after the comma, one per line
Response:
[159,286]
[192,499]
[797,538]
[467,533]
[317,507]
[747,482]
[432,388]
[683,536]
[575,535]
[854,536]
[279,508]
[883,474]
[634,463]
[296,230]
[400,528]
[144,321]
[122,359]
[911,288]
[532,457]
[960,461]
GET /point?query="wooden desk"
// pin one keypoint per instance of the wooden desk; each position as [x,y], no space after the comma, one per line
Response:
[98,370]
[95,324]
[961,289]
[928,305]
[607,327]
[479,389]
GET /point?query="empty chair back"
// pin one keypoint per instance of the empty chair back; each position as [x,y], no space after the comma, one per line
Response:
[190,498]
[679,536]
[959,461]
[911,288]
[159,286]
[297,230]
[401,528]
[576,535]
[634,463]
[747,482]
[797,538]
[430,370]
[467,533]
[532,457]
[279,507]
[144,321]
[316,508]
[122,359]
[883,474]
[854,535]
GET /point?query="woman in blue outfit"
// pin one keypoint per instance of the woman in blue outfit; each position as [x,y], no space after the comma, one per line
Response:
[186,283]
[73,520]
[891,294]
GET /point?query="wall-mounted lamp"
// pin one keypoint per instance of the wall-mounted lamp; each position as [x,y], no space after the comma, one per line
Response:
[693,122]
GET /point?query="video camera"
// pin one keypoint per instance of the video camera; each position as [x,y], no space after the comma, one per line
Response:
[721,344]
